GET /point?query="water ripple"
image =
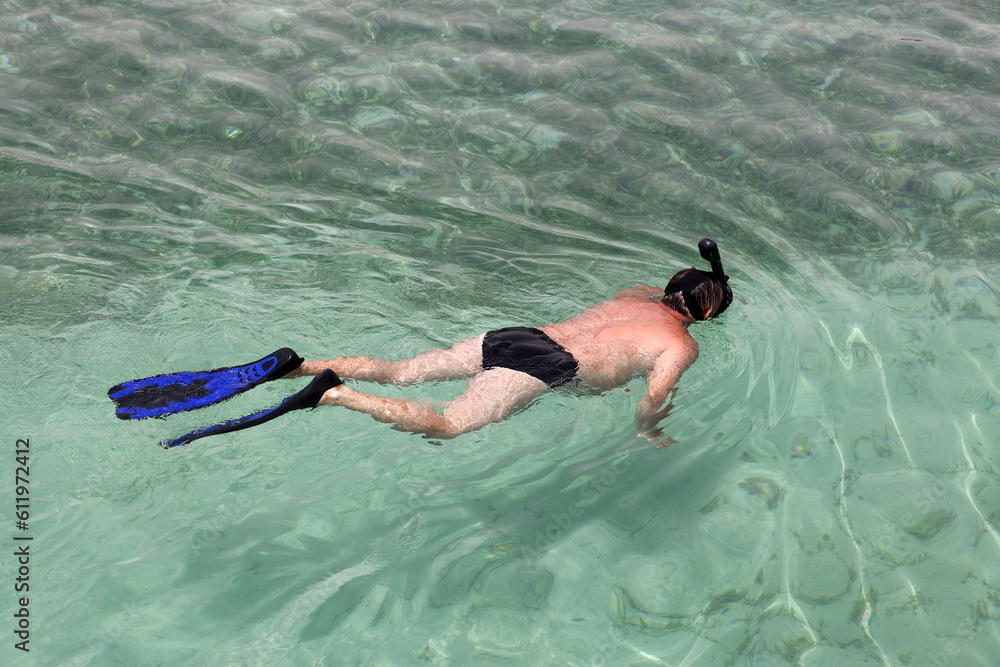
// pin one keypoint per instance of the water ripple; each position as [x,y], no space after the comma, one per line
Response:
[379,178]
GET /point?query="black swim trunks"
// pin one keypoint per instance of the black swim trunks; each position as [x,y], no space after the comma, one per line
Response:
[530,351]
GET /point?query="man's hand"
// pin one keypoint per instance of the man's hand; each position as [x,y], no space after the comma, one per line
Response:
[657,437]
[662,388]
[647,420]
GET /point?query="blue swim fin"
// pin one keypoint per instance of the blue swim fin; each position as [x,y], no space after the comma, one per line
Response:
[176,392]
[307,398]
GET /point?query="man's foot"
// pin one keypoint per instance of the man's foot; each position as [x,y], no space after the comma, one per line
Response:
[335,395]
[309,397]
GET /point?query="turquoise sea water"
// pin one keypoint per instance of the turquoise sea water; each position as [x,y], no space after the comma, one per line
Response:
[189,184]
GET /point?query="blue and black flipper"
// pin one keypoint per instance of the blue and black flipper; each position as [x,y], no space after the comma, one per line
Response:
[306,399]
[176,392]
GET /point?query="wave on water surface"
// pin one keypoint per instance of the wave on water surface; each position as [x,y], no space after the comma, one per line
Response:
[183,184]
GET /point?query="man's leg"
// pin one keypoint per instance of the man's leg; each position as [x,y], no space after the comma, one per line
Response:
[491,397]
[463,359]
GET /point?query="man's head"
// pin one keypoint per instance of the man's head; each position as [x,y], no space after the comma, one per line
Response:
[698,293]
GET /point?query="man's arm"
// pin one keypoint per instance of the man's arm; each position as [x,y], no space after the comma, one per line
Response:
[640,292]
[654,406]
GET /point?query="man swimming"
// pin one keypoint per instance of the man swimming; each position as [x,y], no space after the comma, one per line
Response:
[640,330]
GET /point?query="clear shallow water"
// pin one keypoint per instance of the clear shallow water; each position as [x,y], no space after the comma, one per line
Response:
[191,184]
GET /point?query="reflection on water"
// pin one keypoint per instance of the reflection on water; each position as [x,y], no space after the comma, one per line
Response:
[189,184]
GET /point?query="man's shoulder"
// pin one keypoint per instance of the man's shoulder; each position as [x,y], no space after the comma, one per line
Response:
[677,346]
[643,292]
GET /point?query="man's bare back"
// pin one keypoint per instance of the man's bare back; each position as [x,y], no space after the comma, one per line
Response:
[616,339]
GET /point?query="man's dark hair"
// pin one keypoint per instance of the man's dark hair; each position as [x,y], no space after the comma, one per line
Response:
[707,294]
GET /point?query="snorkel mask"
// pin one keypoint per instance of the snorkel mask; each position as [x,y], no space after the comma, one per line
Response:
[686,285]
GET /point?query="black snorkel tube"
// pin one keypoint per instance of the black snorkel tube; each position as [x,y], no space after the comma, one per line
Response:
[710,252]
[686,285]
